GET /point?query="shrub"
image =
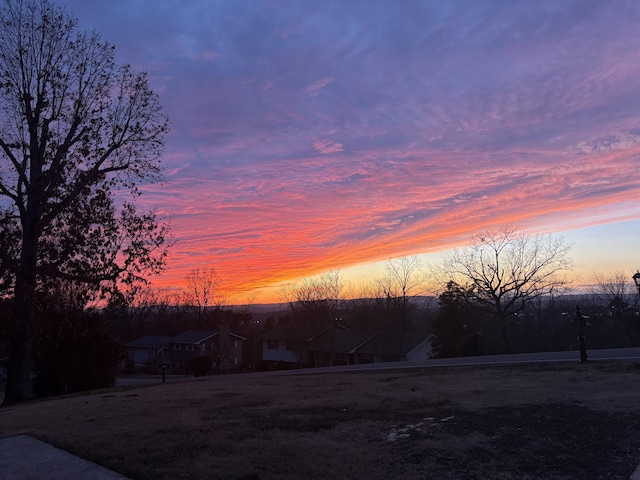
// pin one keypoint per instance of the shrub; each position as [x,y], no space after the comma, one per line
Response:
[199,365]
[75,353]
[129,365]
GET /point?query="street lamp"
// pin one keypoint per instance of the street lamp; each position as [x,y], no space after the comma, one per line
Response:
[636,278]
[582,341]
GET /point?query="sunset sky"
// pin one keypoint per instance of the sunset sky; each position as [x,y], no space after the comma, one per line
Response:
[311,135]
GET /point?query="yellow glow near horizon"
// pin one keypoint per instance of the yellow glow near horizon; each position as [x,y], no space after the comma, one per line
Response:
[599,248]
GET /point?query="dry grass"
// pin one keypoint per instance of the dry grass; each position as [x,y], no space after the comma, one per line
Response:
[537,421]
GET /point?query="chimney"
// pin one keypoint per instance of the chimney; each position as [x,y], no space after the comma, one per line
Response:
[224,341]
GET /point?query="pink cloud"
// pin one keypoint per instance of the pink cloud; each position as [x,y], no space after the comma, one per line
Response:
[327,146]
[313,89]
[284,230]
[456,119]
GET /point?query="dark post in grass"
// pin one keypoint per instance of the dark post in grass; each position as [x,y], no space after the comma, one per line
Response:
[164,367]
[582,322]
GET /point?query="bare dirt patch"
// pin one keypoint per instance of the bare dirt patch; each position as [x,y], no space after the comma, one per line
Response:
[531,421]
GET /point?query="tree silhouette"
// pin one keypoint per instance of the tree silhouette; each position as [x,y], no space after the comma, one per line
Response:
[77,132]
[458,326]
[507,270]
[202,292]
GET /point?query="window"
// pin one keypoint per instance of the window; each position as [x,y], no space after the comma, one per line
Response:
[177,346]
[189,348]
[272,344]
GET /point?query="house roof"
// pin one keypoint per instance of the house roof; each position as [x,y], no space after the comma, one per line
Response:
[340,339]
[194,336]
[400,343]
[149,341]
[198,336]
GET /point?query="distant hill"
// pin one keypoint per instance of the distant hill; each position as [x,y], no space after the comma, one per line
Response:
[276,308]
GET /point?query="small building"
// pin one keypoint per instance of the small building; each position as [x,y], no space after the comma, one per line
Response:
[340,345]
[397,347]
[224,348]
[279,348]
[147,350]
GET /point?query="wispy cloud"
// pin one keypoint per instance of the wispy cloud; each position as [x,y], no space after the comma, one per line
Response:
[313,90]
[327,146]
[308,135]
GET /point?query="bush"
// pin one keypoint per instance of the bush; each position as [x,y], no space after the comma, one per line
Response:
[199,365]
[75,353]
[129,365]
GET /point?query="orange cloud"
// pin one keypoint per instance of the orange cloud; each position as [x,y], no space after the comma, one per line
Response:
[267,230]
[449,129]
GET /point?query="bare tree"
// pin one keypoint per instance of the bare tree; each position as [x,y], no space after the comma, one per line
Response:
[129,315]
[507,269]
[315,305]
[614,287]
[170,313]
[202,292]
[613,291]
[315,300]
[75,128]
[405,278]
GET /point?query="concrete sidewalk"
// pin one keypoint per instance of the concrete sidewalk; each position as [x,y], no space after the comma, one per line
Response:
[24,458]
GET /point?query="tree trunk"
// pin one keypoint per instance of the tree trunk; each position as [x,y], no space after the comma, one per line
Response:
[505,346]
[19,386]
[19,370]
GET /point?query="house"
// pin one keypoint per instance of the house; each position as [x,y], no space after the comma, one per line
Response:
[397,347]
[340,345]
[147,350]
[224,347]
[279,347]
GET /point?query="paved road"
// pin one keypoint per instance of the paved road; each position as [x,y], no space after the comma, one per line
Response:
[626,354]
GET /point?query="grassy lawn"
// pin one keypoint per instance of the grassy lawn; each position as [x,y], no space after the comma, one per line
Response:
[560,421]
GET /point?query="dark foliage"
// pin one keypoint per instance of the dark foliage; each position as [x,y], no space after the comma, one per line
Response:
[457,325]
[75,353]
[76,131]
[199,366]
